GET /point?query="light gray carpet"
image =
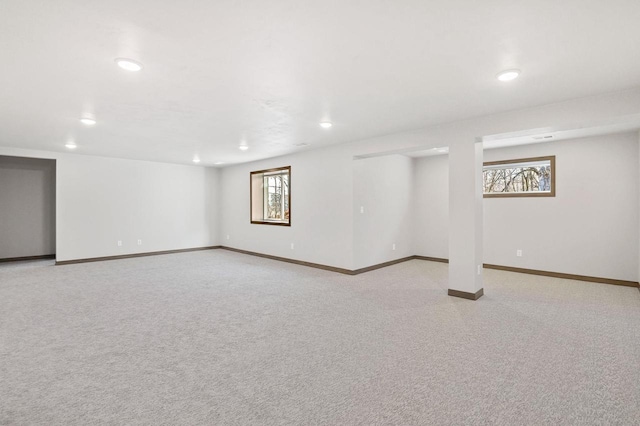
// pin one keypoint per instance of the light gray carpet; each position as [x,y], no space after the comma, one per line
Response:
[222,338]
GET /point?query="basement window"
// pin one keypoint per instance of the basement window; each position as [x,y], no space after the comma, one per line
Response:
[525,177]
[271,196]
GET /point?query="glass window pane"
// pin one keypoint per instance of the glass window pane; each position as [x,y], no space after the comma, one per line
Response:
[520,176]
[274,199]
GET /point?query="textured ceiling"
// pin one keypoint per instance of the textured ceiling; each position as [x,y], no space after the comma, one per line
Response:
[218,73]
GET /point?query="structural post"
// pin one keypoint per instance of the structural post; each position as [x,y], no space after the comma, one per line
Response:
[465,220]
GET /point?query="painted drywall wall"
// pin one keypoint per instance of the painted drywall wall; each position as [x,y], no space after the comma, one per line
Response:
[465,219]
[589,228]
[321,217]
[101,201]
[213,205]
[106,200]
[383,209]
[27,207]
[322,229]
[329,240]
[431,198]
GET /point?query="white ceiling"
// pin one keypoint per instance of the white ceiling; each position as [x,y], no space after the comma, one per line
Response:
[266,72]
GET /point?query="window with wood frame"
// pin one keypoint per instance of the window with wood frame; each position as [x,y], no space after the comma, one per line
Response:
[524,177]
[271,196]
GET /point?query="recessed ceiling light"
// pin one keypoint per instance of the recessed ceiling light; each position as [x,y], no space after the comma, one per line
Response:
[87,121]
[71,145]
[243,147]
[508,75]
[196,159]
[326,124]
[128,64]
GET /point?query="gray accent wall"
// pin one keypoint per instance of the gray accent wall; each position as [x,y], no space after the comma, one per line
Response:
[27,207]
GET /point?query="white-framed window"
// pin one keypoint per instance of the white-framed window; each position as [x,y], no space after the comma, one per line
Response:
[524,177]
[271,196]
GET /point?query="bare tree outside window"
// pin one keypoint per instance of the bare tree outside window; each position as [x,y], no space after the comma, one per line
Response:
[271,196]
[528,177]
[276,196]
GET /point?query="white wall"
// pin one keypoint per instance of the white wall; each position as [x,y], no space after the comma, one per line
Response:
[164,205]
[102,200]
[589,228]
[321,216]
[27,207]
[322,229]
[465,218]
[383,209]
[431,198]
[213,205]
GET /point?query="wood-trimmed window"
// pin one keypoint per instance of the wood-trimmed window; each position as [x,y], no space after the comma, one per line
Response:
[271,196]
[523,177]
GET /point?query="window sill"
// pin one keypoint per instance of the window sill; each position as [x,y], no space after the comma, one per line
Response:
[520,194]
[271,222]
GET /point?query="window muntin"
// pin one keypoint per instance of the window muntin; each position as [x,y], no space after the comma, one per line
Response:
[525,177]
[271,196]
[276,196]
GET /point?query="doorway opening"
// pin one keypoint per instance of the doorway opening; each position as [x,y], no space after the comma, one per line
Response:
[27,208]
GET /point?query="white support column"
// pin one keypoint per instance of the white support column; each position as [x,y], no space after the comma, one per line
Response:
[465,220]
[639,203]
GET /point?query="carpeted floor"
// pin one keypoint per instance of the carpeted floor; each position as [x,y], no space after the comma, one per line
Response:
[221,338]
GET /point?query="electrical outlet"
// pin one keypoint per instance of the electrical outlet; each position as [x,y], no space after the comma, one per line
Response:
[227,237]
[139,242]
[119,243]
[361,209]
[519,253]
[291,246]
[479,269]
[393,247]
